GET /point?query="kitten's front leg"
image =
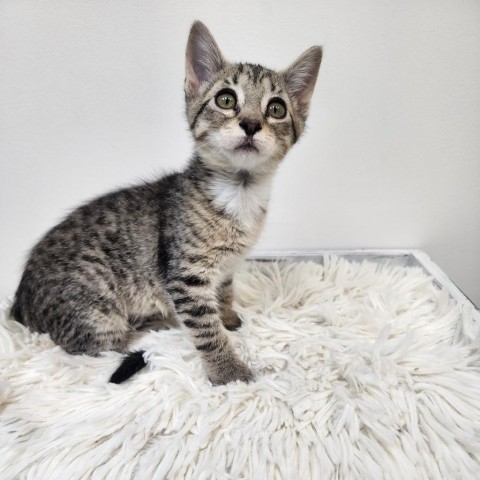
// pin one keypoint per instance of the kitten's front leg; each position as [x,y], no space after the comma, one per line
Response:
[230,319]
[195,300]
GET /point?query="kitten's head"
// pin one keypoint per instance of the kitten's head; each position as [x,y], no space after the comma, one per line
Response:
[243,116]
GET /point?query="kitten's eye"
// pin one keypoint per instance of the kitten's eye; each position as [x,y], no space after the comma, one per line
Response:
[226,99]
[277,108]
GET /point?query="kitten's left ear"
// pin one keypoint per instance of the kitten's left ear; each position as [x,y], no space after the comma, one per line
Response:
[301,77]
[203,58]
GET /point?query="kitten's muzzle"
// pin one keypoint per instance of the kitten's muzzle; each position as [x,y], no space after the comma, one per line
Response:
[250,127]
[247,145]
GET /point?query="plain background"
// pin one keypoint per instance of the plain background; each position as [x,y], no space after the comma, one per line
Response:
[91,99]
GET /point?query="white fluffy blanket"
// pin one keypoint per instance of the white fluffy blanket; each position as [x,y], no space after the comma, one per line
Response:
[362,371]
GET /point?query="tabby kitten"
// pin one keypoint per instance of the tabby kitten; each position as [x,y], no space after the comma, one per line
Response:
[169,248]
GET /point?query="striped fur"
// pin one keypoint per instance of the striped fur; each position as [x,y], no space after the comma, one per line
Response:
[168,249]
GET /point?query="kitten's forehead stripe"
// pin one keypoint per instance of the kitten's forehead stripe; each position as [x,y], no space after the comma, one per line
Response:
[255,72]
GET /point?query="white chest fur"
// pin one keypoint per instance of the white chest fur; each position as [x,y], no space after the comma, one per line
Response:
[246,201]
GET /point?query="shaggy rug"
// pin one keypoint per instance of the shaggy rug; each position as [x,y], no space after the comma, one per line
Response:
[363,371]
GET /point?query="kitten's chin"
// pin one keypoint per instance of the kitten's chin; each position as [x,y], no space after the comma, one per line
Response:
[248,159]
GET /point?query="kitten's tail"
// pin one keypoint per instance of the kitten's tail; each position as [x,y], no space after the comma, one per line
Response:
[130,365]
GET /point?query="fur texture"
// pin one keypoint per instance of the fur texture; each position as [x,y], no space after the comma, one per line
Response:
[169,248]
[363,372]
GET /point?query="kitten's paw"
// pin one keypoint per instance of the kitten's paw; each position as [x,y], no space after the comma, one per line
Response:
[231,373]
[231,321]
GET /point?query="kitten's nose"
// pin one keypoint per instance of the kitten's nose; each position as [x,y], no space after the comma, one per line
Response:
[251,127]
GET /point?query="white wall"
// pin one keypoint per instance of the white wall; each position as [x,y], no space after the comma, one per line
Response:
[91,98]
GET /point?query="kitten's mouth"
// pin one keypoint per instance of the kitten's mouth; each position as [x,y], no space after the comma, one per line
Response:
[247,145]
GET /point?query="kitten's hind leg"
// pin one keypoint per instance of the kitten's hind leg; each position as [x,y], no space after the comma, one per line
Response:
[94,332]
[231,321]
[156,321]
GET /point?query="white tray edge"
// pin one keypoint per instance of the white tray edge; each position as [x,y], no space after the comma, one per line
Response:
[420,256]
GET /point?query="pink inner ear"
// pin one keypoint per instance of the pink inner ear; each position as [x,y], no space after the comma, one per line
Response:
[191,81]
[192,85]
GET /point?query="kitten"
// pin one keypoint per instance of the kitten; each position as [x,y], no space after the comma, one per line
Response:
[169,248]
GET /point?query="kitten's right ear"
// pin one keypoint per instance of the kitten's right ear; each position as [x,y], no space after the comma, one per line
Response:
[203,58]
